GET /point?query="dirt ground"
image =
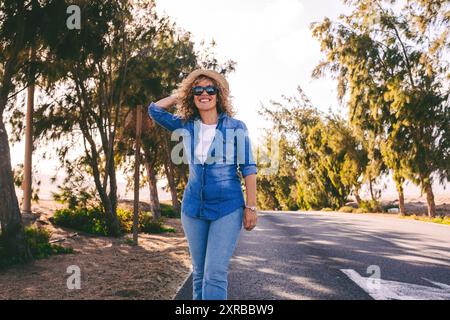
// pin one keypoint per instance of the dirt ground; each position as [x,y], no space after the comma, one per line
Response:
[110,268]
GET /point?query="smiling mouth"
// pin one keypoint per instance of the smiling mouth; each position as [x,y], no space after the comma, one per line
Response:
[204,100]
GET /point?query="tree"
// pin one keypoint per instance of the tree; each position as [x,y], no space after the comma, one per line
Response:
[166,57]
[19,29]
[277,191]
[391,87]
[91,65]
[321,161]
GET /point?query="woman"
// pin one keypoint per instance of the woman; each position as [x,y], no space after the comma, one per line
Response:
[217,146]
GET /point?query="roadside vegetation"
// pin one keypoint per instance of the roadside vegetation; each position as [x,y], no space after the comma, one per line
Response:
[38,241]
[394,92]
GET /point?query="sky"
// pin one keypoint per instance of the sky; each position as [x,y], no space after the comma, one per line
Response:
[271,42]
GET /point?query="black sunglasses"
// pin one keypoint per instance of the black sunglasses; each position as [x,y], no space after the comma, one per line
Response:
[210,90]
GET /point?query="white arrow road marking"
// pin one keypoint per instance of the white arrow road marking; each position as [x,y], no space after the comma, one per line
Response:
[390,290]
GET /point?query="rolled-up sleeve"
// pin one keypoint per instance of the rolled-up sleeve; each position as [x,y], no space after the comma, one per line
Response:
[164,118]
[246,163]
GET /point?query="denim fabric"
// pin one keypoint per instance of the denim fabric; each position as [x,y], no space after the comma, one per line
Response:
[214,188]
[211,244]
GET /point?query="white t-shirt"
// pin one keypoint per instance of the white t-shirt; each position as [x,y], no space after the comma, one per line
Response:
[206,135]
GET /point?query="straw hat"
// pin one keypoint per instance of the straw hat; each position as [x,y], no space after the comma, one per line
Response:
[219,78]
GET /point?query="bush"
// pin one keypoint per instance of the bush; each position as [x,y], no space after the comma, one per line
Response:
[359,210]
[327,210]
[371,206]
[346,209]
[440,219]
[152,226]
[38,242]
[146,222]
[93,221]
[168,212]
[89,220]
[125,220]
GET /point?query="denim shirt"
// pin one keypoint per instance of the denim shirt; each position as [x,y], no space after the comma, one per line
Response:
[214,187]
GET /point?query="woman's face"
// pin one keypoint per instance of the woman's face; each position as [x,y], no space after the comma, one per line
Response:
[205,102]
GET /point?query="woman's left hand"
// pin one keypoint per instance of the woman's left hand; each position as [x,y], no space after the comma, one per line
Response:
[250,218]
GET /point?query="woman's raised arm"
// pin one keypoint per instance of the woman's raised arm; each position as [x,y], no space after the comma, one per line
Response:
[167,102]
[157,111]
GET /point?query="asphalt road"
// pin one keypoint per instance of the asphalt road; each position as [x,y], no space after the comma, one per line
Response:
[297,255]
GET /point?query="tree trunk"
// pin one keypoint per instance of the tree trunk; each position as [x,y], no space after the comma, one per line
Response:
[115,225]
[110,209]
[114,221]
[371,189]
[27,164]
[398,179]
[12,229]
[430,199]
[358,198]
[11,219]
[109,201]
[401,202]
[154,200]
[170,178]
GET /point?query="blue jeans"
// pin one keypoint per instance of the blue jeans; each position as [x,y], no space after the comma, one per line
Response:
[211,244]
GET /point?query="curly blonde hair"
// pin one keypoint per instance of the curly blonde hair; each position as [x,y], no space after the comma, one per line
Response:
[186,107]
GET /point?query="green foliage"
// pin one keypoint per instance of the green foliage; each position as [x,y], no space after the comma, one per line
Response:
[18,174]
[370,206]
[277,190]
[359,210]
[147,223]
[327,210]
[126,219]
[93,221]
[38,242]
[89,220]
[321,159]
[75,192]
[440,220]
[346,209]
[168,212]
[152,226]
[395,88]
